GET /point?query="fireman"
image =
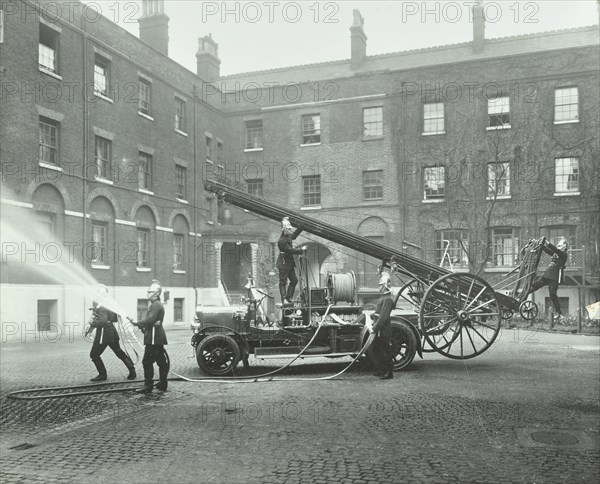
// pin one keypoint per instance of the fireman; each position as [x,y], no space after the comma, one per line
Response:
[106,335]
[285,261]
[380,351]
[155,340]
[554,273]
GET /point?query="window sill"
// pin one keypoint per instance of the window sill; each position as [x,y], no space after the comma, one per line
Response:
[374,201]
[499,197]
[567,121]
[209,162]
[372,138]
[567,194]
[104,97]
[100,266]
[433,133]
[248,150]
[147,192]
[143,269]
[182,200]
[51,74]
[144,115]
[177,271]
[311,207]
[182,133]
[304,145]
[433,200]
[50,166]
[103,180]
[494,128]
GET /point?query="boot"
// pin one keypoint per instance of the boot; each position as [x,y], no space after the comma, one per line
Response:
[144,389]
[100,377]
[387,376]
[129,364]
[100,368]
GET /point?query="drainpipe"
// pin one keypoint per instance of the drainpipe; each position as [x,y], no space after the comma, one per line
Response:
[85,142]
[195,223]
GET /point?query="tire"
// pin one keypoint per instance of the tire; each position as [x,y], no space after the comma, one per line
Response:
[404,344]
[218,354]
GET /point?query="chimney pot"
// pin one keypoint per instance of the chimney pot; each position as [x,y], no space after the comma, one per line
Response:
[358,41]
[154,25]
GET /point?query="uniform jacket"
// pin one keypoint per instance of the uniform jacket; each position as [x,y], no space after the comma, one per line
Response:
[557,264]
[381,316]
[106,333]
[154,334]
[285,260]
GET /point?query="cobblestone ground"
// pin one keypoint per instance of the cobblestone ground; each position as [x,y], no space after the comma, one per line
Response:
[525,411]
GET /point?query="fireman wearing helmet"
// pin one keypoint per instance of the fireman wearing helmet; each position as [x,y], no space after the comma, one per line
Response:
[102,321]
[380,352]
[285,261]
[554,273]
[155,340]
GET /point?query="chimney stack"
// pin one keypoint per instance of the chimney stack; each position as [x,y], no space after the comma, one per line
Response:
[154,25]
[478,28]
[207,59]
[358,41]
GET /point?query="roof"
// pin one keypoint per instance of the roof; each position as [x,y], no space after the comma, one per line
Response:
[431,56]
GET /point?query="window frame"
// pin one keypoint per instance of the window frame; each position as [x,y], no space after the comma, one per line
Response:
[102,245]
[492,181]
[311,130]
[178,306]
[180,114]
[54,48]
[145,175]
[558,105]
[102,62]
[180,182]
[436,196]
[178,256]
[103,171]
[311,192]
[509,256]
[378,122]
[498,116]
[257,183]
[576,175]
[372,185]
[254,135]
[463,252]
[142,248]
[426,118]
[44,137]
[145,96]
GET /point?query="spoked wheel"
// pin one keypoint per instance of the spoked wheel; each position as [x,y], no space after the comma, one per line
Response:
[412,292]
[218,354]
[404,344]
[528,310]
[507,313]
[460,316]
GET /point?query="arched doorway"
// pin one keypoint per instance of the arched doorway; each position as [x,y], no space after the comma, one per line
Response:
[236,265]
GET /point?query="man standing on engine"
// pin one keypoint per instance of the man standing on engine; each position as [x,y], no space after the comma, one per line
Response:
[106,335]
[285,261]
[380,351]
[155,340]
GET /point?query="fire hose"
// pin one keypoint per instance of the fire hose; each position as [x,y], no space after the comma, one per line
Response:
[265,377]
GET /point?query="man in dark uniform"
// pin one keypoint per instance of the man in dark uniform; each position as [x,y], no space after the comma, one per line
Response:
[155,340]
[554,273]
[380,351]
[106,335]
[285,261]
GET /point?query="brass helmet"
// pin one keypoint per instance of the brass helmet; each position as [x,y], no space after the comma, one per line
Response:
[562,244]
[154,290]
[285,224]
[385,282]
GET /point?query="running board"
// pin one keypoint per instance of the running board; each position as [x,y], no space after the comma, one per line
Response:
[322,355]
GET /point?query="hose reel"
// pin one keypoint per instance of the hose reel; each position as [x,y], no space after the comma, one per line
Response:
[342,287]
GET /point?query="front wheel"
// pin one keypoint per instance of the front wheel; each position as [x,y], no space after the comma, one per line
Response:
[404,344]
[218,354]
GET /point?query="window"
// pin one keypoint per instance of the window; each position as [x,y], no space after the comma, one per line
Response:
[180,115]
[99,242]
[209,153]
[103,157]
[48,141]
[143,242]
[46,221]
[566,175]
[254,134]
[498,180]
[180,179]
[433,118]
[255,187]
[311,190]
[219,152]
[142,308]
[505,247]
[499,112]
[144,171]
[372,122]
[555,232]
[434,183]
[48,49]
[101,79]
[452,249]
[178,309]
[145,98]
[311,129]
[178,252]
[566,105]
[373,185]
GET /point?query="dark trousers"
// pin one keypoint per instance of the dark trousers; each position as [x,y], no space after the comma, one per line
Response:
[287,292]
[552,289]
[98,349]
[380,353]
[156,354]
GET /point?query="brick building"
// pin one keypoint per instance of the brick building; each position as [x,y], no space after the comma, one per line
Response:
[457,154]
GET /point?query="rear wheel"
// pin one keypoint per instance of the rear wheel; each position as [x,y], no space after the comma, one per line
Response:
[404,344]
[218,354]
